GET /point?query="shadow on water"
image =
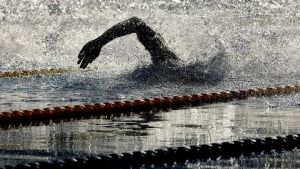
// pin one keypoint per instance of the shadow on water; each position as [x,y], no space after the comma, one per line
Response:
[198,72]
[149,78]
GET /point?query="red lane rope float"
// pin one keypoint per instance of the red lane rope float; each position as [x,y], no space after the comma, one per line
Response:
[108,108]
[23,73]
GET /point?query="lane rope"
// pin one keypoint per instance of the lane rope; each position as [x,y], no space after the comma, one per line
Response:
[45,115]
[174,155]
[25,73]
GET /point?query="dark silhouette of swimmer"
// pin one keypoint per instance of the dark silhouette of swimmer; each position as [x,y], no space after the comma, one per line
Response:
[166,65]
[152,41]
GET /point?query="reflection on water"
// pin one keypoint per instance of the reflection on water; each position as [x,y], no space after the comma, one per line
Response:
[283,160]
[261,39]
[135,132]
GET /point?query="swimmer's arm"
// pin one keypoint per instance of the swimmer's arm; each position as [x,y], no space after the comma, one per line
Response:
[132,25]
[148,37]
[92,49]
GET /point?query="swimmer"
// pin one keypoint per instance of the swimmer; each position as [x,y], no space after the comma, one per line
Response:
[152,41]
[165,62]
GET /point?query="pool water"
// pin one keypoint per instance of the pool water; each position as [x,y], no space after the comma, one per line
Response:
[261,39]
[135,132]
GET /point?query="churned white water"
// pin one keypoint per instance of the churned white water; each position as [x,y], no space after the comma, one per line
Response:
[261,39]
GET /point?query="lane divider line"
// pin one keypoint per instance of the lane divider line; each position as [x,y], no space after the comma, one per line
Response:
[27,117]
[25,73]
[174,155]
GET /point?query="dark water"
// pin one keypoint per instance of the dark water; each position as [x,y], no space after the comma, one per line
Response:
[261,48]
[254,118]
[260,45]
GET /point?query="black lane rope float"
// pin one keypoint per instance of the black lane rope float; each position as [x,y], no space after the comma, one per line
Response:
[27,117]
[174,155]
[24,73]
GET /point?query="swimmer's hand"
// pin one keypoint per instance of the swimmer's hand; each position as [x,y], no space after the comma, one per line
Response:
[89,53]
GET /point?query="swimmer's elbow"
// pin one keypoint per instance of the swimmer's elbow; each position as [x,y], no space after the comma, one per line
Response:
[137,21]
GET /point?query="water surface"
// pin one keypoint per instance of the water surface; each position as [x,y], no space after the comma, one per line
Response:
[261,39]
